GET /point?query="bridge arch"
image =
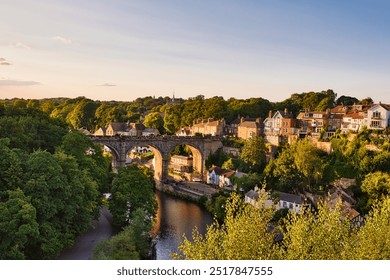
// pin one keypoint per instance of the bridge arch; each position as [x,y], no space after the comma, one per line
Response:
[197,155]
[158,158]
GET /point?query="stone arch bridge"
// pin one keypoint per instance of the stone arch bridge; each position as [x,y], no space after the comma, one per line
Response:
[162,146]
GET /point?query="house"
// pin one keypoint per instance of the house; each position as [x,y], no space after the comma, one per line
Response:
[136,129]
[353,122]
[292,202]
[249,128]
[84,131]
[231,129]
[311,123]
[219,176]
[334,123]
[115,128]
[181,163]
[289,125]
[150,132]
[274,123]
[378,116]
[208,127]
[184,131]
[252,197]
[100,132]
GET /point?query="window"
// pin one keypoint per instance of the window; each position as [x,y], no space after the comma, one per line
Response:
[284,204]
[376,114]
[291,206]
[375,123]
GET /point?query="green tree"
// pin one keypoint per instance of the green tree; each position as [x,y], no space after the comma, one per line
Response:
[376,185]
[83,114]
[253,153]
[372,242]
[10,168]
[308,162]
[18,225]
[244,235]
[120,247]
[246,183]
[131,189]
[89,157]
[172,118]
[316,237]
[154,120]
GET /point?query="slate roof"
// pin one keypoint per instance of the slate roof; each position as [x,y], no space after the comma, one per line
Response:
[290,198]
[220,171]
[253,194]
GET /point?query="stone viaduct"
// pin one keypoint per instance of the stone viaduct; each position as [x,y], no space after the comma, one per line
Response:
[162,146]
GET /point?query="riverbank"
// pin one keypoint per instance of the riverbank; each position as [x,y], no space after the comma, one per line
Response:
[192,191]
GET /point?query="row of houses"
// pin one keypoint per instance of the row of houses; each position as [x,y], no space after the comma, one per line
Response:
[126,129]
[339,194]
[283,124]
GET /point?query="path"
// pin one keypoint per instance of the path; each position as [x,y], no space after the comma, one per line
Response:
[83,248]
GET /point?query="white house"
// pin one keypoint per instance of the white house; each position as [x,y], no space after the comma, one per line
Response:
[219,176]
[252,197]
[294,203]
[378,116]
[273,124]
[353,122]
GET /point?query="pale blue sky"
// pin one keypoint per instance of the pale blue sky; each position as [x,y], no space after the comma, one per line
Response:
[124,49]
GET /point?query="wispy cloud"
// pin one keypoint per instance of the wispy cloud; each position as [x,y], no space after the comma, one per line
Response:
[107,85]
[62,40]
[4,62]
[7,82]
[20,45]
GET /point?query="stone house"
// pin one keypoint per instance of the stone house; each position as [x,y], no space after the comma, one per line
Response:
[181,163]
[116,128]
[184,131]
[208,127]
[249,128]
[231,129]
[100,132]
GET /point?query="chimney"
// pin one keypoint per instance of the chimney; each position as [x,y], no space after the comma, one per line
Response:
[242,119]
[285,111]
[270,114]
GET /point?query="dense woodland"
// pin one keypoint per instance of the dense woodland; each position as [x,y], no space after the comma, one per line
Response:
[52,177]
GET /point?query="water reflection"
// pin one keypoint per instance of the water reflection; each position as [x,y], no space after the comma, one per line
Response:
[176,217]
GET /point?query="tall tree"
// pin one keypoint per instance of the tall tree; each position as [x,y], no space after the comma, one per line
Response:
[154,120]
[18,225]
[131,189]
[253,153]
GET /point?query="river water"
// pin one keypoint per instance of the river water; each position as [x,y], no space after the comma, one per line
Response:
[176,217]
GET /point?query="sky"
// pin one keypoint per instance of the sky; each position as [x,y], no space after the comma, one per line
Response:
[125,49]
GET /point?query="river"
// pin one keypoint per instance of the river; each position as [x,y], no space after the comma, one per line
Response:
[175,217]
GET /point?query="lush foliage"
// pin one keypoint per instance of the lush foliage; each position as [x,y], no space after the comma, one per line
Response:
[132,243]
[49,183]
[132,189]
[248,233]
